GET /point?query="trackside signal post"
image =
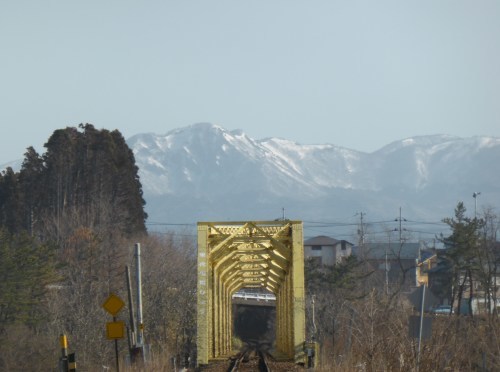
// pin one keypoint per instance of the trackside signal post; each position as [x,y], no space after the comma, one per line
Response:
[252,254]
[67,362]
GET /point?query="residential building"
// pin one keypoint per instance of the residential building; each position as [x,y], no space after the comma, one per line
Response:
[326,251]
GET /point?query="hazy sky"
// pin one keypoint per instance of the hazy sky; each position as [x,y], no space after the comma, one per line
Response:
[358,74]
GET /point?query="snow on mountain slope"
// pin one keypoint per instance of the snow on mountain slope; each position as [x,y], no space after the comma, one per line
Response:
[326,166]
[204,171]
[423,162]
[205,159]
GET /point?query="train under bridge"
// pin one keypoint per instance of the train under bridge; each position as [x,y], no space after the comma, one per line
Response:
[262,257]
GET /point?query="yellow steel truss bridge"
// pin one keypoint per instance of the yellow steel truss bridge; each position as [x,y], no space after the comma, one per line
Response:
[252,254]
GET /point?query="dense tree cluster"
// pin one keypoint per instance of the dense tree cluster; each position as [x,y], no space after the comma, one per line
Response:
[88,171]
[67,222]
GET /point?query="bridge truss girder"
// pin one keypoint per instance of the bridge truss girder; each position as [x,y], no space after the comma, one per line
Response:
[263,254]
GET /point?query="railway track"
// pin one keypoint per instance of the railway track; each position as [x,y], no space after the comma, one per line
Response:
[251,360]
[255,357]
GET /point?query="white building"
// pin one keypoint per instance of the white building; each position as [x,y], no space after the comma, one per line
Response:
[326,250]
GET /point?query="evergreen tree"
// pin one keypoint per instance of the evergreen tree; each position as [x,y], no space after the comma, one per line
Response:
[26,270]
[10,203]
[30,178]
[60,177]
[461,251]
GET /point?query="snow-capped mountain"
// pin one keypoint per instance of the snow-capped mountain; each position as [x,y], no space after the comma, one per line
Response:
[204,172]
[204,160]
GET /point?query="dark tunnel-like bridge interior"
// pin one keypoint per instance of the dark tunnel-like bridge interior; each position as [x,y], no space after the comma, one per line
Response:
[255,323]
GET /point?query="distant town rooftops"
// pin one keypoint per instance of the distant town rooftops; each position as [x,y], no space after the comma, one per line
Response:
[377,251]
[322,240]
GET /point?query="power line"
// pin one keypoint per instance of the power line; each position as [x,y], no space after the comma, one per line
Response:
[334,228]
[169,224]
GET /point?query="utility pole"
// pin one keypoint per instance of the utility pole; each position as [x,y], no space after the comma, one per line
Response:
[131,307]
[387,272]
[313,301]
[400,229]
[422,308]
[140,325]
[361,230]
[400,219]
[475,195]
[400,233]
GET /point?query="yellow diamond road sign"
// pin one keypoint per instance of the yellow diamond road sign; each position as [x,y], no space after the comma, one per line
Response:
[113,304]
[115,330]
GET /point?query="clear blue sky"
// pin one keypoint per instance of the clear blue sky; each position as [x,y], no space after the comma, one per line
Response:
[358,74]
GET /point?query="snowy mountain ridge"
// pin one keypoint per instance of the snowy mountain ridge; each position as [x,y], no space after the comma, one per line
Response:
[204,172]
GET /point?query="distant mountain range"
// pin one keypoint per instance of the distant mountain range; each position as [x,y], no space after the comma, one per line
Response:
[203,172]
[206,173]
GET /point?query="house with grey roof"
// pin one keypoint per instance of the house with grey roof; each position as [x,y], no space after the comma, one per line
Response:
[327,251]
